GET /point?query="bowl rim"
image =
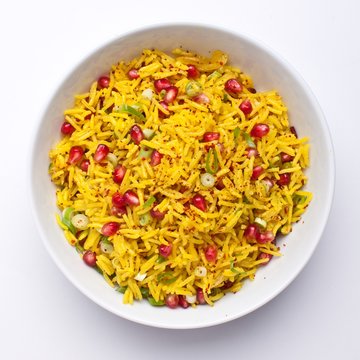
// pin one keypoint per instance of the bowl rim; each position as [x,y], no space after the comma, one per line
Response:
[244,37]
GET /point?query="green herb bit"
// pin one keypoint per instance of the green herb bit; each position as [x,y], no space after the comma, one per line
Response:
[214,75]
[66,219]
[299,199]
[214,167]
[121,289]
[144,219]
[149,202]
[237,133]
[232,268]
[249,140]
[193,88]
[145,153]
[132,110]
[153,302]
[145,292]
[160,259]
[79,248]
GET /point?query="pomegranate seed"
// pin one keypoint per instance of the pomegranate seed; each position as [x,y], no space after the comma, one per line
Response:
[284,179]
[156,214]
[162,84]
[200,296]
[211,136]
[257,171]
[136,134]
[259,130]
[133,74]
[89,258]
[182,302]
[119,173]
[193,72]
[232,86]
[227,285]
[155,158]
[211,253]
[265,256]
[110,228]
[268,183]
[88,116]
[103,82]
[293,131]
[84,165]
[75,155]
[251,232]
[101,153]
[286,157]
[199,202]
[172,301]
[201,99]
[246,107]
[165,106]
[118,200]
[220,184]
[165,250]
[252,152]
[263,238]
[171,94]
[131,198]
[220,147]
[117,211]
[67,128]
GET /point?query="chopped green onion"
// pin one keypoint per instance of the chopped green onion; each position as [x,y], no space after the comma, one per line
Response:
[80,221]
[148,133]
[232,268]
[98,270]
[79,248]
[149,202]
[121,289]
[106,246]
[299,199]
[166,277]
[261,222]
[66,219]
[132,110]
[153,302]
[246,200]
[160,259]
[144,219]
[193,88]
[145,292]
[145,153]
[249,140]
[213,75]
[112,159]
[226,97]
[215,166]
[237,132]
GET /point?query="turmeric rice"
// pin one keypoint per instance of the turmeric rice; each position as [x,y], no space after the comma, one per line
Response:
[175,177]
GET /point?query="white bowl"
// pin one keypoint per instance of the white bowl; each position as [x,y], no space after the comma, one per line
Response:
[269,71]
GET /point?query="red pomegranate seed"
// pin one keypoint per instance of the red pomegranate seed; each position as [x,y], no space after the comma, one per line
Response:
[133,74]
[259,130]
[293,131]
[84,165]
[67,128]
[136,134]
[117,211]
[265,237]
[171,94]
[157,214]
[88,116]
[257,171]
[200,296]
[101,153]
[201,99]
[286,157]
[162,84]
[193,72]
[75,155]
[165,250]
[155,158]
[182,302]
[252,152]
[118,200]
[110,228]
[227,285]
[265,256]
[246,107]
[211,136]
[211,253]
[119,173]
[165,106]
[89,258]
[232,86]
[284,179]
[172,301]
[251,232]
[199,202]
[103,82]
[131,198]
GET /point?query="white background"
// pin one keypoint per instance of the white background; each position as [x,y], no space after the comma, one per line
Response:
[43,316]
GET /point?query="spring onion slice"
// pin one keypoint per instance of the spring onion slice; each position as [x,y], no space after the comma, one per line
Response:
[66,219]
[121,289]
[144,219]
[153,302]
[149,202]
[215,166]
[145,153]
[237,132]
[232,268]
[193,88]
[213,75]
[249,140]
[132,110]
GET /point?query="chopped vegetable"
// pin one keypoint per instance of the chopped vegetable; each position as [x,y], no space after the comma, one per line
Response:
[149,202]
[153,302]
[148,133]
[249,140]
[145,153]
[214,167]
[261,222]
[125,108]
[66,219]
[237,133]
[140,277]
[207,180]
[106,247]
[193,88]
[144,219]
[80,221]
[200,271]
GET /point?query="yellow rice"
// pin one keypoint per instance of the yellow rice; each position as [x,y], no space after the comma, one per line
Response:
[177,178]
